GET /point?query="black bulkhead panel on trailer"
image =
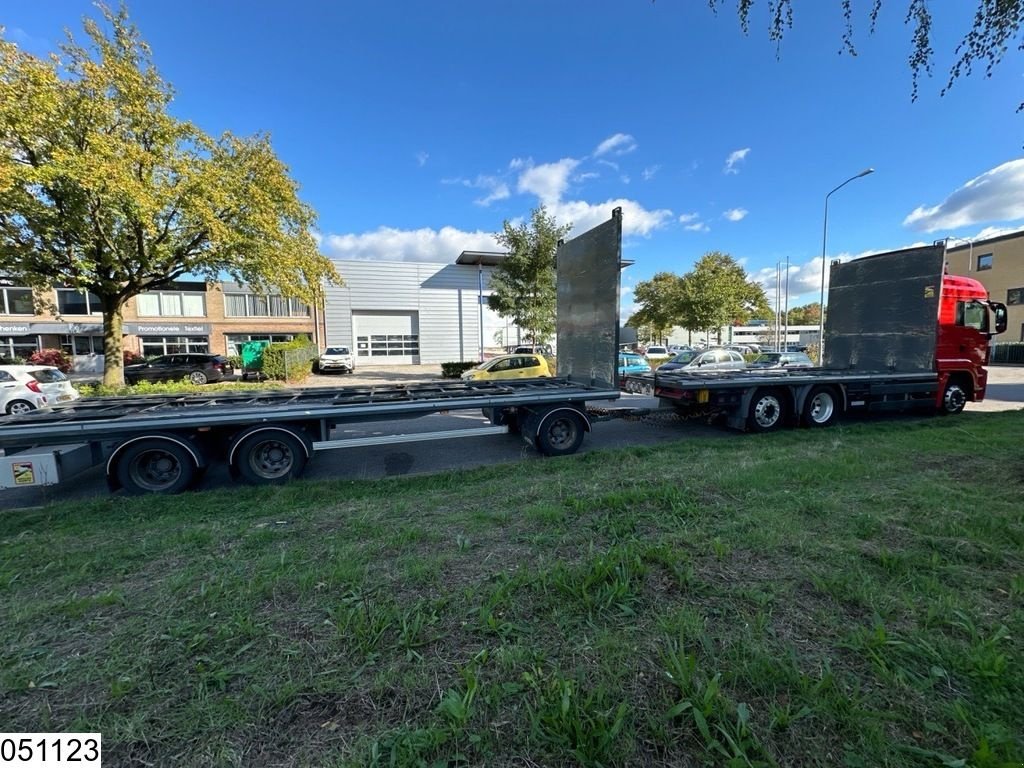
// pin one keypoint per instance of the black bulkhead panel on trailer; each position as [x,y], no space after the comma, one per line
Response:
[588,269]
[883,311]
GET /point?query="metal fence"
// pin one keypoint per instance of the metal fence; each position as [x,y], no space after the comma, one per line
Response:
[1010,352]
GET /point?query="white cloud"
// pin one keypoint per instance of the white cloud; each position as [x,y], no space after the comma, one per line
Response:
[735,158]
[988,232]
[619,144]
[735,214]
[697,226]
[519,162]
[610,164]
[688,217]
[636,220]
[421,158]
[650,172]
[586,176]
[390,244]
[496,188]
[547,181]
[624,179]
[996,195]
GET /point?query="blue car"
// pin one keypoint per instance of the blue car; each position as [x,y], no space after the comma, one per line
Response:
[630,362]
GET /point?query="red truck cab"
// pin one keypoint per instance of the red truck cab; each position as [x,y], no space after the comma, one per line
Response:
[967,322]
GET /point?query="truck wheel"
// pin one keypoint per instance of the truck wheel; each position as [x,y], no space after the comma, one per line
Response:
[155,466]
[269,457]
[560,432]
[954,398]
[821,409]
[767,411]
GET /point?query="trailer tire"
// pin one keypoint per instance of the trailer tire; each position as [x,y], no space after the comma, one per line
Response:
[767,411]
[560,432]
[269,457]
[155,465]
[954,398]
[821,408]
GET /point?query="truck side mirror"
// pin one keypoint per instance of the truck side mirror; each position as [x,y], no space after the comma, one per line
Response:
[1000,312]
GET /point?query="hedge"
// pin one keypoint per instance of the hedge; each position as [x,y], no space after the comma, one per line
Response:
[455,370]
[288,360]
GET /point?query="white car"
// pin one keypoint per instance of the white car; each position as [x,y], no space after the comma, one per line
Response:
[657,351]
[336,359]
[25,388]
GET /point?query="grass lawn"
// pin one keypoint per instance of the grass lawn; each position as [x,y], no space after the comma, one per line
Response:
[852,596]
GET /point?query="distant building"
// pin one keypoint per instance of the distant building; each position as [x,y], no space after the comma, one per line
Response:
[998,263]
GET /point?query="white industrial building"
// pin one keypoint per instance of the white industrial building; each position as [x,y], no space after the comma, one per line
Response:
[407,313]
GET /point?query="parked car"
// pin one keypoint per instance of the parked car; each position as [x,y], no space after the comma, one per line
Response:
[20,391]
[782,360]
[336,359]
[708,360]
[630,362]
[657,351]
[525,349]
[675,349]
[529,366]
[198,369]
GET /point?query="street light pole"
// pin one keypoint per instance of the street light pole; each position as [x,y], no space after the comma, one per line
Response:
[786,309]
[824,241]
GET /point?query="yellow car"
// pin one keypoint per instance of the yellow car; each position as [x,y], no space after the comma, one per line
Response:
[509,367]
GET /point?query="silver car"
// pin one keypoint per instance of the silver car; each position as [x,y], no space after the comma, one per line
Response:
[705,360]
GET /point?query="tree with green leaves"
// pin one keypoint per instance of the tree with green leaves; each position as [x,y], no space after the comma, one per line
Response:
[809,314]
[658,302]
[996,24]
[103,190]
[717,292]
[523,286]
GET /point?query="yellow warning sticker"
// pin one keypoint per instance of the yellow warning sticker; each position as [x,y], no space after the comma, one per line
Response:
[24,474]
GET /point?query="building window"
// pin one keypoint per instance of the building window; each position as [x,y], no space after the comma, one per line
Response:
[82,345]
[257,305]
[18,347]
[235,341]
[985,261]
[74,302]
[152,346]
[1015,296]
[387,346]
[16,301]
[171,304]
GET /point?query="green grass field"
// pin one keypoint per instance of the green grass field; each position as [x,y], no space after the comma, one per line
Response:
[844,597]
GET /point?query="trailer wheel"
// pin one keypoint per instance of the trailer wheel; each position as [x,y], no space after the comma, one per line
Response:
[821,409]
[954,398]
[269,457]
[767,411]
[560,432]
[155,466]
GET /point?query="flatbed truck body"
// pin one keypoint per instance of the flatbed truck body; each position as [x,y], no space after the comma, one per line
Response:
[900,334]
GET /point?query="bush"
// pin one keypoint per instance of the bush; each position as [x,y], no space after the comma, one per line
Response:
[236,361]
[288,360]
[183,387]
[131,358]
[455,370]
[55,357]
[12,361]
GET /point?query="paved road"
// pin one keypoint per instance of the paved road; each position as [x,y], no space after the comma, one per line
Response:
[1006,392]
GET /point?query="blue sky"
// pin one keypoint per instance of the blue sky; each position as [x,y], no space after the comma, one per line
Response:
[416,128]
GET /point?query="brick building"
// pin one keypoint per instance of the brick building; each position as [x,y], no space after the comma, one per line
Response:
[183,317]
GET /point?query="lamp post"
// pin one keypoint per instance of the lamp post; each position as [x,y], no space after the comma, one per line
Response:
[970,251]
[824,240]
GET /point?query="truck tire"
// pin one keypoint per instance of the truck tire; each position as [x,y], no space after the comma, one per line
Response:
[155,465]
[954,398]
[767,411]
[821,408]
[269,457]
[560,432]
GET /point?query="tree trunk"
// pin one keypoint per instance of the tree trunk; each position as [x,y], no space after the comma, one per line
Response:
[113,357]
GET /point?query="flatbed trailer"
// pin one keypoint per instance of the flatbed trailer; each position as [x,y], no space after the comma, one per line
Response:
[164,443]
